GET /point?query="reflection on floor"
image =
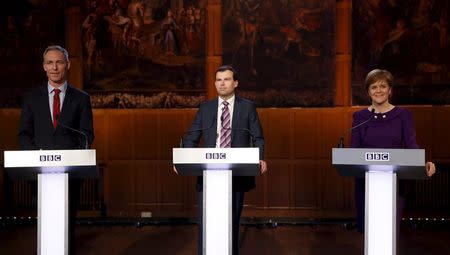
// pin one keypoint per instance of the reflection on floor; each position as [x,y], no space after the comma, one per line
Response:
[181,240]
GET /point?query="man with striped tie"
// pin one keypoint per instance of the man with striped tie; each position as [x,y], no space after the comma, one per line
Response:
[227,121]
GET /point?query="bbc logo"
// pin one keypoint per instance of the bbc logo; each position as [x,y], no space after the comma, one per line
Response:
[377,156]
[48,158]
[216,155]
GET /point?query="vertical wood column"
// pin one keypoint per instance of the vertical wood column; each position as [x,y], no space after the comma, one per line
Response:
[73,44]
[213,44]
[343,53]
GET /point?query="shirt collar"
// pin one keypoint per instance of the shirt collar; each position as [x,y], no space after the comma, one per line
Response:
[230,100]
[63,88]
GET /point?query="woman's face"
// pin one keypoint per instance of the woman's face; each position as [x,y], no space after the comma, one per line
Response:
[379,92]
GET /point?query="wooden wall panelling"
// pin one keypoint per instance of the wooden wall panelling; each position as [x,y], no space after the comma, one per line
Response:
[172,125]
[190,182]
[257,198]
[334,188]
[172,196]
[136,179]
[279,184]
[306,185]
[101,135]
[121,135]
[305,133]
[332,124]
[120,191]
[148,135]
[347,119]
[147,186]
[276,126]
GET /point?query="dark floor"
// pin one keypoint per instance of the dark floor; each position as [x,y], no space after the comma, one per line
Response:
[181,240]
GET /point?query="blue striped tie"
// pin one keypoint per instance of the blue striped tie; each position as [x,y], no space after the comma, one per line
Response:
[225,131]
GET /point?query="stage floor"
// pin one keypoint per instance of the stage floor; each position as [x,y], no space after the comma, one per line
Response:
[182,240]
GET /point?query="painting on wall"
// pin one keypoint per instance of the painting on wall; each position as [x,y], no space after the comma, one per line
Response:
[26,29]
[283,49]
[144,53]
[408,38]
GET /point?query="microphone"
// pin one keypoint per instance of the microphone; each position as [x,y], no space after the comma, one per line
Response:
[341,139]
[252,143]
[74,130]
[196,130]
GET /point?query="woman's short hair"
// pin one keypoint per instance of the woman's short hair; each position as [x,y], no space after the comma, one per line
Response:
[379,75]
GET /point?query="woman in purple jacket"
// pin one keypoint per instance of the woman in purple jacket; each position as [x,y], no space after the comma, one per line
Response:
[389,127]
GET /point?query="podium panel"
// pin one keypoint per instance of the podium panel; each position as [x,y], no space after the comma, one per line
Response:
[192,161]
[52,169]
[217,165]
[28,164]
[381,169]
[354,162]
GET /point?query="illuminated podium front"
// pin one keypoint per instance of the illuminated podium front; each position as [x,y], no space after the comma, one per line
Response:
[381,169]
[217,166]
[52,168]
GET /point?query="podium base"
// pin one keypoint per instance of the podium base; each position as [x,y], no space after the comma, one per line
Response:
[217,206]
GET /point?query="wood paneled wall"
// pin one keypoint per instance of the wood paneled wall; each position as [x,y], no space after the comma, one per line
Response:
[135,148]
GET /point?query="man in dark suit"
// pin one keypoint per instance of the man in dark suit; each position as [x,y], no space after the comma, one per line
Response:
[227,121]
[48,111]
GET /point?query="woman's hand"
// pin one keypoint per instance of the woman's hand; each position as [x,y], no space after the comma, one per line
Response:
[430,168]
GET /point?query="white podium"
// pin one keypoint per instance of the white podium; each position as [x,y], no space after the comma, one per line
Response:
[381,168]
[52,168]
[217,165]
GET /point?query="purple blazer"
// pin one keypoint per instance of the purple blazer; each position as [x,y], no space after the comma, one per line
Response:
[390,130]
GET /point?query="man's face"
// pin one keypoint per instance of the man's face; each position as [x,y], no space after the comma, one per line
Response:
[225,84]
[56,67]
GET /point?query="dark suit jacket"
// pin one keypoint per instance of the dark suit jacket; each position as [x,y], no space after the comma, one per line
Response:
[36,127]
[244,117]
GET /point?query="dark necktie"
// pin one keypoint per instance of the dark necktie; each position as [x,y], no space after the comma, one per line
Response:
[56,107]
[225,131]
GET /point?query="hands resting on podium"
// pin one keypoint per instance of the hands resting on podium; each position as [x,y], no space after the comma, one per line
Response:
[262,167]
[430,168]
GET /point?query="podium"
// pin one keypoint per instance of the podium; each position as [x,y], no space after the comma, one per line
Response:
[52,168]
[381,168]
[217,166]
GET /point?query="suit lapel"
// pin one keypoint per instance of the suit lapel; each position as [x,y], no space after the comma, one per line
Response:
[66,103]
[236,114]
[44,103]
[213,113]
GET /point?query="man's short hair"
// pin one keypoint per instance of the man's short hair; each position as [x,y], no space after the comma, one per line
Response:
[228,68]
[58,48]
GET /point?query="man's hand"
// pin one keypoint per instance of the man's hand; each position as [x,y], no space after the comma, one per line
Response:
[262,166]
[430,168]
[175,169]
